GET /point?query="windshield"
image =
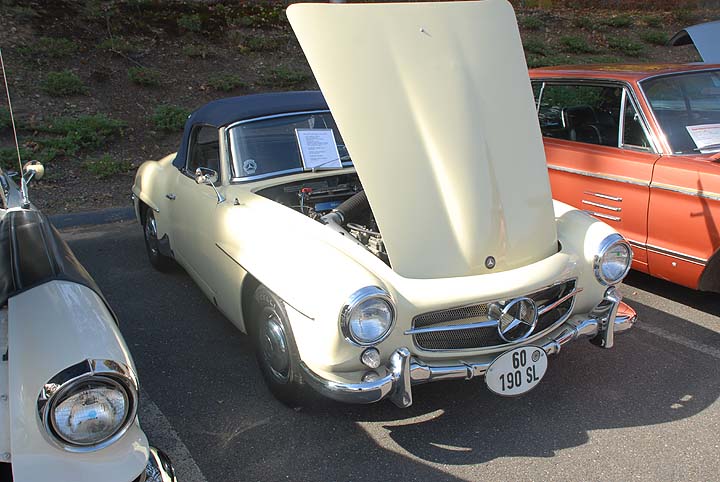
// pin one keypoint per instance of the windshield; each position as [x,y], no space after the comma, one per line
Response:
[268,147]
[687,106]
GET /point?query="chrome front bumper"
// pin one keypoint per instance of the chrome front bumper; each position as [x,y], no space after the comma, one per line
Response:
[608,318]
[158,469]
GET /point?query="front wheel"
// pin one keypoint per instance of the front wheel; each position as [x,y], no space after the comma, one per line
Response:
[158,260]
[275,349]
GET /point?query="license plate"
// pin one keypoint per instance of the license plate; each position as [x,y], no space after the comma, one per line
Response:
[516,371]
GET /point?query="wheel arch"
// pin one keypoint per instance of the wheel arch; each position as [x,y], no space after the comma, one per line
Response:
[710,277]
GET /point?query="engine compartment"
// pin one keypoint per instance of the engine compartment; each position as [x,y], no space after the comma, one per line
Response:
[337,201]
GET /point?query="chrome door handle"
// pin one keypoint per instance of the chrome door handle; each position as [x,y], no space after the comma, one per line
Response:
[170,196]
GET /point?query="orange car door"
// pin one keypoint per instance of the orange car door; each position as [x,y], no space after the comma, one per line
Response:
[684,218]
[599,157]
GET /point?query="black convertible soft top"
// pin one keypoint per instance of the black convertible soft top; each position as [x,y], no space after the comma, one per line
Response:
[222,112]
[33,253]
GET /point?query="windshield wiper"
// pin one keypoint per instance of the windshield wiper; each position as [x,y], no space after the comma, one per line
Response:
[708,147]
[341,159]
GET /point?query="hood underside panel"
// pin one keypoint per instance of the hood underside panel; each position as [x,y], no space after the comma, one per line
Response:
[435,106]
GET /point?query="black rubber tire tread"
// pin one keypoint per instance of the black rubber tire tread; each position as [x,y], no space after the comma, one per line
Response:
[158,260]
[293,392]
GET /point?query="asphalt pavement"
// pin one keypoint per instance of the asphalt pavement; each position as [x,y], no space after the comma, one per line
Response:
[646,410]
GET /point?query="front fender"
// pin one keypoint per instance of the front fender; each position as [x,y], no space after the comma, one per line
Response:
[51,327]
[150,187]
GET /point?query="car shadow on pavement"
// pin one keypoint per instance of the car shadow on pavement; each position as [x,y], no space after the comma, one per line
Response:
[700,300]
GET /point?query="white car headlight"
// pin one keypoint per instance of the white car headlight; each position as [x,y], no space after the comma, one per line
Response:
[89,405]
[613,260]
[368,316]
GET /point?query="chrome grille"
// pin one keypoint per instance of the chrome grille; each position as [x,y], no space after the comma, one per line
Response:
[486,337]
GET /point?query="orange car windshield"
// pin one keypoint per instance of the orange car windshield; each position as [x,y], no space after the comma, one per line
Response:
[687,106]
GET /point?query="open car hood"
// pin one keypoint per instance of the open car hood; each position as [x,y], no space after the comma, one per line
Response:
[705,36]
[435,106]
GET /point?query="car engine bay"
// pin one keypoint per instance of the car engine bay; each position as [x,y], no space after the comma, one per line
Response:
[337,201]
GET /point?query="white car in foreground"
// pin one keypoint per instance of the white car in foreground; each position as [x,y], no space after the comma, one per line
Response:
[413,241]
[68,386]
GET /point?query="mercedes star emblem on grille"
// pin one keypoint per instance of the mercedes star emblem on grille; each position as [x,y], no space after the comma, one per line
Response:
[517,319]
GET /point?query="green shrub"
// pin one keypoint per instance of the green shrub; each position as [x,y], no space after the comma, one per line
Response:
[654,21]
[62,84]
[536,46]
[655,37]
[225,82]
[535,62]
[262,44]
[685,16]
[190,22]
[119,44]
[583,22]
[283,77]
[531,23]
[195,50]
[106,167]
[170,118]
[69,135]
[144,76]
[626,46]
[576,45]
[8,157]
[50,47]
[618,21]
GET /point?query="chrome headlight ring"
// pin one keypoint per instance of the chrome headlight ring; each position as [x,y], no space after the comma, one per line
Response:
[358,298]
[111,375]
[614,240]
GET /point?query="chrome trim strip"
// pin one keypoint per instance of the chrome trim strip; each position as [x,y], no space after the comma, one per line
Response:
[603,216]
[604,206]
[676,254]
[465,326]
[544,309]
[636,243]
[684,190]
[607,177]
[603,196]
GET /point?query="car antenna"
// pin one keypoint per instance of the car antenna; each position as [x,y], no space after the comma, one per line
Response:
[23,182]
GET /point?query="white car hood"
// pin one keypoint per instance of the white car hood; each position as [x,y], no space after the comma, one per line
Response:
[705,37]
[435,106]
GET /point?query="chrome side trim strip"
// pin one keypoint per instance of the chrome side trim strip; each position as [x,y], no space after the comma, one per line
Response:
[676,254]
[637,244]
[604,196]
[607,177]
[684,190]
[603,216]
[604,206]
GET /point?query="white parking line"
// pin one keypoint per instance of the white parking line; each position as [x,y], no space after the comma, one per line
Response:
[164,437]
[681,340]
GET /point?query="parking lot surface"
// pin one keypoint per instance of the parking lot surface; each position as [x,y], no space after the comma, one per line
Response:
[646,410]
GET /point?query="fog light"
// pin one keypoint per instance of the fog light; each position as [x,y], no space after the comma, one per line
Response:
[371,376]
[370,358]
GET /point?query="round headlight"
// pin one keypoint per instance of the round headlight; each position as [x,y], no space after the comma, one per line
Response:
[90,412]
[368,316]
[613,260]
[89,405]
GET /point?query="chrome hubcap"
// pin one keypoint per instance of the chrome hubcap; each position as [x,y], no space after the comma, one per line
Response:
[151,233]
[274,348]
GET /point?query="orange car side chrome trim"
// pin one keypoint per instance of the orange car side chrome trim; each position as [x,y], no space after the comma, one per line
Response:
[601,215]
[685,190]
[626,180]
[603,206]
[604,196]
[671,253]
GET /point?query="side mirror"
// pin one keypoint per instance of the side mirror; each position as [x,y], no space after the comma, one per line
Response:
[204,175]
[33,170]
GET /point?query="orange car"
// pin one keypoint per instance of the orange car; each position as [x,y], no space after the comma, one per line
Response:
[638,146]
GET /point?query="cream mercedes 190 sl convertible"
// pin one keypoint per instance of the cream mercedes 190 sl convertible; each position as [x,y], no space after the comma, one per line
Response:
[397,230]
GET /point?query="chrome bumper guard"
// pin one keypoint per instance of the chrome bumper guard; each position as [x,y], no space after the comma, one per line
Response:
[158,469]
[611,316]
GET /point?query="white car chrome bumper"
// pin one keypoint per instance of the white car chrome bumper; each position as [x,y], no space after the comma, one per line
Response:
[609,317]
